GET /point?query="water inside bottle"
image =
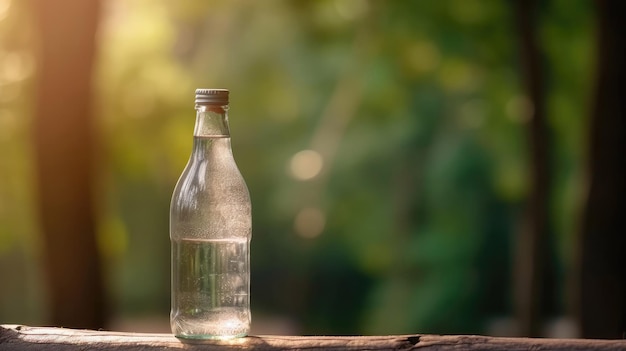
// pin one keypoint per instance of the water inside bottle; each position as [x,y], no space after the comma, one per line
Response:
[212,296]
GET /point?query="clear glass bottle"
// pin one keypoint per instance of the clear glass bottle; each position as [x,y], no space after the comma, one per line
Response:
[210,232]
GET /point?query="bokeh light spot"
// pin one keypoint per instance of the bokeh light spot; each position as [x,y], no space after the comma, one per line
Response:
[351,9]
[421,57]
[520,109]
[310,222]
[306,164]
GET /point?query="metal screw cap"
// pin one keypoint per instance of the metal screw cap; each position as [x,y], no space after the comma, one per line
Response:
[211,96]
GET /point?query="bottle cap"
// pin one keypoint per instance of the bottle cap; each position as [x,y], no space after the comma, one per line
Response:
[211,96]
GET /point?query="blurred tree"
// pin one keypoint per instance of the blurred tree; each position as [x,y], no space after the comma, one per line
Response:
[534,274]
[22,293]
[65,144]
[602,270]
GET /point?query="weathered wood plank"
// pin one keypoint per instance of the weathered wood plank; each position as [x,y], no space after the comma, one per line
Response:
[14,337]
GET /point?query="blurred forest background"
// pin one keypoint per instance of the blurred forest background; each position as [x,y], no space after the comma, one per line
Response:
[414,166]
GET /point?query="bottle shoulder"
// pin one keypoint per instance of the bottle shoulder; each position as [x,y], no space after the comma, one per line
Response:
[210,183]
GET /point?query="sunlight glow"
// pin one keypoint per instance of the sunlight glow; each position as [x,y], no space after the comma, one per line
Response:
[5,5]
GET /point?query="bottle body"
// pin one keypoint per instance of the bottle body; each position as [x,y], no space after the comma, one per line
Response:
[210,232]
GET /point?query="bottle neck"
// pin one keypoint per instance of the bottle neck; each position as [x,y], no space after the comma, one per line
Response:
[211,121]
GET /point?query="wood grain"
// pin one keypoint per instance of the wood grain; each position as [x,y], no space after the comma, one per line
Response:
[15,337]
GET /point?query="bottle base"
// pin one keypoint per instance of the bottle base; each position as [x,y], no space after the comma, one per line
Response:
[213,326]
[200,338]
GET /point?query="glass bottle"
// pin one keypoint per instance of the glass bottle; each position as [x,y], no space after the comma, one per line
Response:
[210,232]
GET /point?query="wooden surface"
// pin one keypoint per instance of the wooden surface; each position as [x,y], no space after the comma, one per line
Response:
[14,337]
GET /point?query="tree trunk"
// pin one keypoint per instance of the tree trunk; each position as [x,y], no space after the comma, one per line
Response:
[534,271]
[602,275]
[64,147]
